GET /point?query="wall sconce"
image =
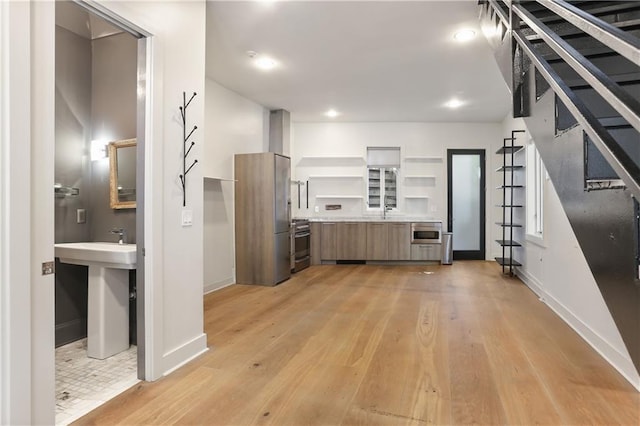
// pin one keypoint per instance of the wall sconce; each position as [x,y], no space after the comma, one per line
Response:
[98,150]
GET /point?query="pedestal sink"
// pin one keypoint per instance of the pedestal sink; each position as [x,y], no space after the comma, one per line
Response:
[108,304]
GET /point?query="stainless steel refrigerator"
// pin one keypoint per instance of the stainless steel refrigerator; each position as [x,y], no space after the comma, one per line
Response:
[262,218]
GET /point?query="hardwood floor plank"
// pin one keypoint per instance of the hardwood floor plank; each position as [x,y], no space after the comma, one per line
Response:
[580,368]
[383,345]
[402,382]
[475,397]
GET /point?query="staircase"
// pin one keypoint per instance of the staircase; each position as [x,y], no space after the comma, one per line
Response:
[574,72]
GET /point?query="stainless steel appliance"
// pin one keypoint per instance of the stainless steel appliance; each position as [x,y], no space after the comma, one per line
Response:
[263,218]
[426,233]
[301,244]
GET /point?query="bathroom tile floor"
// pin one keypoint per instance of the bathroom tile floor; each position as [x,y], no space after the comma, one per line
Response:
[83,383]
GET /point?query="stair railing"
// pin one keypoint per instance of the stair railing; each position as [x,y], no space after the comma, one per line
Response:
[626,105]
[609,35]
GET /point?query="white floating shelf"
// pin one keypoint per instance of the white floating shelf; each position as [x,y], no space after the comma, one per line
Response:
[416,197]
[219,178]
[419,158]
[334,157]
[420,177]
[355,197]
[336,177]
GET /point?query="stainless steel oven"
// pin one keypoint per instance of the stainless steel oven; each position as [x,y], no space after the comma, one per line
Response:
[426,233]
[301,244]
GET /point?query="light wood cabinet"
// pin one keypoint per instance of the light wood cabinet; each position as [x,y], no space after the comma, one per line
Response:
[399,241]
[377,241]
[316,233]
[426,251]
[262,219]
[328,241]
[352,241]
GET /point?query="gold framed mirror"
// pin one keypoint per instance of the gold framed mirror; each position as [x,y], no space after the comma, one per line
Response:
[122,174]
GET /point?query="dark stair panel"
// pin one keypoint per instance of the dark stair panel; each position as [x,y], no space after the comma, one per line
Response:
[603,221]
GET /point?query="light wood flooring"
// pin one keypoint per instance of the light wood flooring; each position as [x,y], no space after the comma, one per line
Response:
[384,345]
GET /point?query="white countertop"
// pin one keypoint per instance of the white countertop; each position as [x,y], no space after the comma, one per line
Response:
[372,219]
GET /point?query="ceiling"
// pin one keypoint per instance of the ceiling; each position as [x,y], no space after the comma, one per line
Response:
[371,61]
[78,20]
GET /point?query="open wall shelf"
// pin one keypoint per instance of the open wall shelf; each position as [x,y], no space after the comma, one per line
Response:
[341,197]
[221,179]
[336,177]
[426,159]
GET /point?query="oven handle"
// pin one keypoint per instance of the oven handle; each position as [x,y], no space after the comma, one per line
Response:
[306,234]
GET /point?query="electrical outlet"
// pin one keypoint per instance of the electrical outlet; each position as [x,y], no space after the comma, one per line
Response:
[48,268]
[81,216]
[187,217]
[316,209]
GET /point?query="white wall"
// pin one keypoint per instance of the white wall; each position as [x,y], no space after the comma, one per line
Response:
[557,271]
[414,139]
[173,271]
[234,125]
[173,293]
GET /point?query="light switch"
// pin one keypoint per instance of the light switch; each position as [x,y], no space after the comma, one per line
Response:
[187,217]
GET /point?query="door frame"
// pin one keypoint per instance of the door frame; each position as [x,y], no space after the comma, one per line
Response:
[468,254]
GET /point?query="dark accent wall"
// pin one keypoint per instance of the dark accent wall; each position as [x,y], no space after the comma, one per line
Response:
[113,117]
[72,135]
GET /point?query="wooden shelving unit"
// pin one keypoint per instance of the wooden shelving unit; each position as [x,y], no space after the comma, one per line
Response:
[508,205]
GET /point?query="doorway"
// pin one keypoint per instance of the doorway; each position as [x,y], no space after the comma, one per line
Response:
[466,202]
[101,79]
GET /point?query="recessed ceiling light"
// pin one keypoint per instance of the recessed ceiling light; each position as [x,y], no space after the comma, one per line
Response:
[266,63]
[454,103]
[464,35]
[263,62]
[332,113]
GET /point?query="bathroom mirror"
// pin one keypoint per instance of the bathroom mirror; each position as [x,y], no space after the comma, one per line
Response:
[122,174]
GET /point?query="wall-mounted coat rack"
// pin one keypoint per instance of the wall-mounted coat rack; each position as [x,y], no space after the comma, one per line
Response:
[185,150]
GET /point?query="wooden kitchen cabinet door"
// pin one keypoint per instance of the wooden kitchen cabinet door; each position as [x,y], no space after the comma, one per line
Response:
[399,241]
[352,241]
[377,241]
[328,241]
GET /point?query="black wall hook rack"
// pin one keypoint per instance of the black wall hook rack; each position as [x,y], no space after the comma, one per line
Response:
[185,150]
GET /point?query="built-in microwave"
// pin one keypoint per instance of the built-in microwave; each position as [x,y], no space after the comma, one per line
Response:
[426,233]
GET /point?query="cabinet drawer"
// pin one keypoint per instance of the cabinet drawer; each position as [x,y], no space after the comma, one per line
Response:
[426,251]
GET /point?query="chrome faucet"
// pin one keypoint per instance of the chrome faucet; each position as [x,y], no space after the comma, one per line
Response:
[387,208]
[122,234]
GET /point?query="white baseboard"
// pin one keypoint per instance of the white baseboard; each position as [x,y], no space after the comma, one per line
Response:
[181,355]
[531,282]
[618,360]
[218,285]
